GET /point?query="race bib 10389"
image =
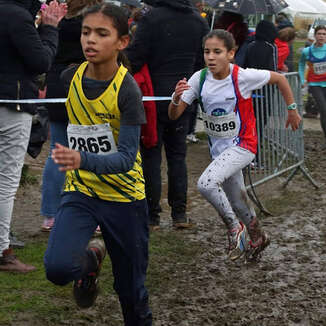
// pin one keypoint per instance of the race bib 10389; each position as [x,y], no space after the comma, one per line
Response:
[224,126]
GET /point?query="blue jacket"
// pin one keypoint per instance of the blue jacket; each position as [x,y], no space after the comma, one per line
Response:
[25,51]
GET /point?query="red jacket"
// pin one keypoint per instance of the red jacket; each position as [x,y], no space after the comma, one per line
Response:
[283,52]
[148,130]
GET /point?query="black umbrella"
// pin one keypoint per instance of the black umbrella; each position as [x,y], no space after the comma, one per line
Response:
[249,7]
[133,3]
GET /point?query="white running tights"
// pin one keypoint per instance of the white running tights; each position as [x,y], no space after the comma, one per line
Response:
[223,186]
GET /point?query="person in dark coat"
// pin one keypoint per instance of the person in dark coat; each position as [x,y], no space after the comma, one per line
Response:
[169,40]
[238,27]
[262,54]
[25,53]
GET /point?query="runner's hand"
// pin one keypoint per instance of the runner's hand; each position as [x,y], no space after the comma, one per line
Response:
[293,119]
[67,158]
[181,86]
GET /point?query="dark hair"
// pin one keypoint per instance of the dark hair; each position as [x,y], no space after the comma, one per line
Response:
[75,7]
[319,27]
[119,20]
[117,15]
[235,24]
[286,34]
[223,35]
[281,17]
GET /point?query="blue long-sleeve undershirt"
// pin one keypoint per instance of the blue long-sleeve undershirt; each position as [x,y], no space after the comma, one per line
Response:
[121,161]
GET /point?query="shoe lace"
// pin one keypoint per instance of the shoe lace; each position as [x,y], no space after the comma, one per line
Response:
[232,237]
[255,232]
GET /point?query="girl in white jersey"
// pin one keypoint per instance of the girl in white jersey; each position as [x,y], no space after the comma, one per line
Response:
[231,127]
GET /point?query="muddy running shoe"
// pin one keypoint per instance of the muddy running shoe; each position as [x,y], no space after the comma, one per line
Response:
[237,242]
[86,289]
[259,241]
[255,248]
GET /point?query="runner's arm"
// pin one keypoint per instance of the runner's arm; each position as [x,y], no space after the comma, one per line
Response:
[120,162]
[282,83]
[177,106]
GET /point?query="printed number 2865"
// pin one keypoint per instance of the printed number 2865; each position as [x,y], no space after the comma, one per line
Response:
[91,144]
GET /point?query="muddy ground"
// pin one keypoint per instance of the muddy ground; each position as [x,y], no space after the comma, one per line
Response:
[287,287]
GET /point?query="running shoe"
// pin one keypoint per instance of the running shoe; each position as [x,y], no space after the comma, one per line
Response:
[259,240]
[86,289]
[255,248]
[237,242]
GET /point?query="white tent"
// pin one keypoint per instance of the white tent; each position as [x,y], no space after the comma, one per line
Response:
[306,8]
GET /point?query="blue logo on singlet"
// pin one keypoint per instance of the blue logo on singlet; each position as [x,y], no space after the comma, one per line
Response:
[218,112]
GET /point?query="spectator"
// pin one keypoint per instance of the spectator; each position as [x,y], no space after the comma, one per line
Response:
[262,54]
[131,7]
[283,42]
[315,57]
[136,16]
[283,21]
[143,79]
[199,4]
[168,39]
[236,25]
[69,53]
[25,53]
[193,108]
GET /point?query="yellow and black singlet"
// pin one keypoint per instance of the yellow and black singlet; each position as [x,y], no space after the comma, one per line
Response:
[122,187]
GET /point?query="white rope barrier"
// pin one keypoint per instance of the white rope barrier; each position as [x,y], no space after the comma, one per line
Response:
[63,100]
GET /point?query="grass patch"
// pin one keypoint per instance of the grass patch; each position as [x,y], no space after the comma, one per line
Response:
[32,300]
[27,177]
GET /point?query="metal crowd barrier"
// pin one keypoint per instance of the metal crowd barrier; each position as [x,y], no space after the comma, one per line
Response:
[280,150]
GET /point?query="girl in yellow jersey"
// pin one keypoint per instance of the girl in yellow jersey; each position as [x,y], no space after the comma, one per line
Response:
[104,179]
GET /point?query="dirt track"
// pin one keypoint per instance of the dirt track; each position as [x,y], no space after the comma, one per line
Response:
[286,288]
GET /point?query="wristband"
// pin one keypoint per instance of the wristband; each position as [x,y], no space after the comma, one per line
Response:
[172,100]
[292,106]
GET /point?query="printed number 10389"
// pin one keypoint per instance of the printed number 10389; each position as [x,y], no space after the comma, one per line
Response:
[220,127]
